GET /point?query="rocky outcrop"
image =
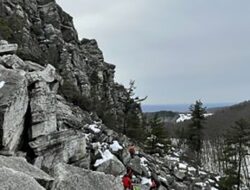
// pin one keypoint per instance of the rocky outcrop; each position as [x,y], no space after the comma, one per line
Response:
[13,107]
[46,35]
[65,146]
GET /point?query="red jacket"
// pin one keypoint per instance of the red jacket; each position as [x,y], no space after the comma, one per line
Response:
[126,182]
[131,150]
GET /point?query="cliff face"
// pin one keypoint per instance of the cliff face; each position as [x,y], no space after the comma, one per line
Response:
[45,34]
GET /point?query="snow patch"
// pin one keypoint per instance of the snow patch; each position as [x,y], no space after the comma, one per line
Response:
[162,178]
[201,184]
[170,158]
[2,83]
[160,145]
[191,169]
[94,128]
[208,114]
[182,166]
[188,116]
[217,178]
[183,117]
[145,181]
[213,188]
[106,155]
[115,146]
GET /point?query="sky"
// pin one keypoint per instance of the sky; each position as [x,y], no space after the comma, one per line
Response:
[177,51]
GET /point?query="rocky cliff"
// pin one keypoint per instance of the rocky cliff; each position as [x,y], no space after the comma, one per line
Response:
[45,34]
[58,100]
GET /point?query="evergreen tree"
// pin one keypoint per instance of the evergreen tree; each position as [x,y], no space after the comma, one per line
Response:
[132,122]
[157,136]
[195,137]
[237,142]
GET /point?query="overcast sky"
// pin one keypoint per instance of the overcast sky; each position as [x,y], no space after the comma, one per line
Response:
[177,51]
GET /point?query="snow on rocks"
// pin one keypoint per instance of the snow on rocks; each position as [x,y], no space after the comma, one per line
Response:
[183,117]
[182,166]
[109,164]
[106,155]
[94,128]
[213,188]
[145,181]
[2,83]
[116,146]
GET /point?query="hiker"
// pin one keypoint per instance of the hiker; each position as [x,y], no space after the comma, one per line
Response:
[129,172]
[131,150]
[127,182]
[154,184]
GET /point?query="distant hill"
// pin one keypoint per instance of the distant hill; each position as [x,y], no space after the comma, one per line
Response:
[223,118]
[179,107]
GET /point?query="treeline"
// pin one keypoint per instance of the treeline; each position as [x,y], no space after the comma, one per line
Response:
[234,148]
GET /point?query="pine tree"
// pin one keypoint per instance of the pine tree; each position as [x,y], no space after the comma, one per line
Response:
[157,136]
[237,142]
[132,122]
[195,136]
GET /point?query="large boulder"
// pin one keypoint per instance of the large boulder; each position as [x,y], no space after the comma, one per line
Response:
[42,102]
[135,165]
[13,107]
[64,146]
[111,165]
[43,110]
[13,180]
[19,164]
[68,177]
[7,48]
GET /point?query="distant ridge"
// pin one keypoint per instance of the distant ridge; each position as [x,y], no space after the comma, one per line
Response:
[179,107]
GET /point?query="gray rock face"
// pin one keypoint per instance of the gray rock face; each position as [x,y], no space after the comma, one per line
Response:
[47,36]
[112,166]
[43,110]
[18,164]
[13,106]
[58,147]
[8,48]
[70,116]
[135,164]
[69,177]
[12,180]
[47,75]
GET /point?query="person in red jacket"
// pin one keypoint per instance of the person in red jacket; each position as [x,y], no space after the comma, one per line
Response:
[127,183]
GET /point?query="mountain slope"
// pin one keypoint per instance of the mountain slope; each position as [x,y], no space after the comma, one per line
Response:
[223,118]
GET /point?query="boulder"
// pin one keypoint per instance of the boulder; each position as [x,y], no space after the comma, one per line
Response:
[179,174]
[19,164]
[112,166]
[47,75]
[12,180]
[8,48]
[68,177]
[135,165]
[13,107]
[43,110]
[12,61]
[64,146]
